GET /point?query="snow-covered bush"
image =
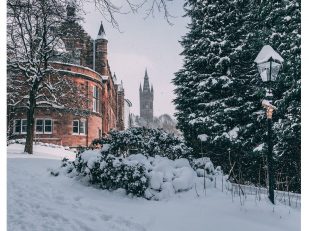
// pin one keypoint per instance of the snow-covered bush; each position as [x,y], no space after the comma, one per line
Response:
[154,178]
[203,164]
[149,142]
[108,172]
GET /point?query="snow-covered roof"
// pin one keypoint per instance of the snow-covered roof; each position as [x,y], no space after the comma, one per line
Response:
[76,65]
[101,34]
[266,53]
[104,77]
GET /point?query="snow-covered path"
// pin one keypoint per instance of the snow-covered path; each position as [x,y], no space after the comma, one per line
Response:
[39,201]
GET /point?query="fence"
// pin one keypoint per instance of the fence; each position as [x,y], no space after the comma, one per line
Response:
[284,197]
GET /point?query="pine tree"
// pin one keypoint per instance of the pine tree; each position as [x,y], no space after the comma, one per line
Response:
[207,86]
[219,90]
[288,127]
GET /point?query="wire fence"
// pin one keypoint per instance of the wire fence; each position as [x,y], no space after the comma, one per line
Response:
[284,197]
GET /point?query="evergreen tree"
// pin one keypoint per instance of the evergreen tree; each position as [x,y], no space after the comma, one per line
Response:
[219,90]
[288,127]
[210,98]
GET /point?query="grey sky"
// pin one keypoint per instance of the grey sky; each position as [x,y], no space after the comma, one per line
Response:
[150,43]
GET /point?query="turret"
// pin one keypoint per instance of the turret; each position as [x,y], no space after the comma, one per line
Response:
[101,52]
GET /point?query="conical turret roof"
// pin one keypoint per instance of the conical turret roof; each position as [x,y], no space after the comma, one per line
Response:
[101,34]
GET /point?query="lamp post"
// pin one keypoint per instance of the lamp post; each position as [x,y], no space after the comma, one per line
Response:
[203,138]
[268,63]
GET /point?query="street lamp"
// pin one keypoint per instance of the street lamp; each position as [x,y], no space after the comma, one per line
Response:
[203,138]
[268,63]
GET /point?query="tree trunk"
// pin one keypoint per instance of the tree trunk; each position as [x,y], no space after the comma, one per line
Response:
[30,124]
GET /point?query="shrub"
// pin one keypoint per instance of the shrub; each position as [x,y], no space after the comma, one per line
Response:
[108,172]
[154,178]
[146,141]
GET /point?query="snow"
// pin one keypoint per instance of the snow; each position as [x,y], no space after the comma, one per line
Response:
[267,103]
[266,53]
[101,36]
[287,18]
[259,147]
[41,151]
[90,157]
[182,162]
[156,180]
[233,134]
[203,164]
[184,179]
[39,201]
[105,147]
[202,137]
[104,77]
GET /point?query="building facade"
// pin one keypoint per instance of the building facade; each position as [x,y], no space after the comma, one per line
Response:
[97,106]
[146,100]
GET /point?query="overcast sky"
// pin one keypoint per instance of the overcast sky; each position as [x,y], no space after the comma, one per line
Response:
[144,43]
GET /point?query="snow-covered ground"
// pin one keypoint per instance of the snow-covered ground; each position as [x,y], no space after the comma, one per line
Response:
[39,201]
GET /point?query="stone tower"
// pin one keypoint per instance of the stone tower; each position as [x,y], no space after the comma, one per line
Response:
[101,63]
[146,100]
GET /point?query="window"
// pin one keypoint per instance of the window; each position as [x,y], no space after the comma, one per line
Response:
[48,127]
[20,126]
[23,126]
[44,126]
[39,126]
[79,127]
[17,126]
[75,127]
[95,101]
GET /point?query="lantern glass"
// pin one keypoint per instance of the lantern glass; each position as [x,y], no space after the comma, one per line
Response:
[264,70]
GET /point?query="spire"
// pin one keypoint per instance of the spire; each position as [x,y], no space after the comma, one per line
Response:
[146,82]
[151,88]
[101,34]
[140,87]
[114,77]
[146,74]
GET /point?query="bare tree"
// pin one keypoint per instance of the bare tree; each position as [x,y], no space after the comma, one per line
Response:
[109,9]
[33,43]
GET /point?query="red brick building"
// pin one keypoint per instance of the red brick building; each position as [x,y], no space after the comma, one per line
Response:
[103,104]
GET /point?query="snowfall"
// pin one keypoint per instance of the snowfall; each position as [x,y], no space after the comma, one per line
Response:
[39,201]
